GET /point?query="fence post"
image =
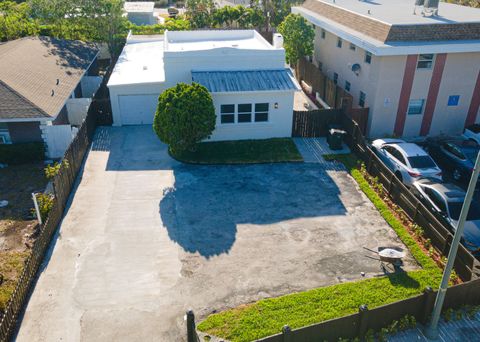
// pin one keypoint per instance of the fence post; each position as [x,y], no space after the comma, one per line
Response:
[191,326]
[428,302]
[287,334]
[362,320]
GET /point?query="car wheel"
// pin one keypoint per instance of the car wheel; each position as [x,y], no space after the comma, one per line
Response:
[456,175]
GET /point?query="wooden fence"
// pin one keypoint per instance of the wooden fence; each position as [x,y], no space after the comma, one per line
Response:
[435,229]
[357,325]
[314,123]
[335,96]
[63,183]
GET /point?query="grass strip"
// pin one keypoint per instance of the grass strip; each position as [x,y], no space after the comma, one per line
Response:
[242,152]
[268,316]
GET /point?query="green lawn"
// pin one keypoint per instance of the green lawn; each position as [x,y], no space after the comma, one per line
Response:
[267,317]
[242,152]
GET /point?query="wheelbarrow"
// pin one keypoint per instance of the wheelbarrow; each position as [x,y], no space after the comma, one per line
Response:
[392,255]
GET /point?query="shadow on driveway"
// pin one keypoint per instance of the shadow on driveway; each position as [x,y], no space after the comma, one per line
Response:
[207,203]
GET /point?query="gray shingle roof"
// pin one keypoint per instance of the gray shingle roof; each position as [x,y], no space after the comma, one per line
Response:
[29,70]
[246,80]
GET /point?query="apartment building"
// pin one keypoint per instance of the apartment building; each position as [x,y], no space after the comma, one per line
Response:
[416,65]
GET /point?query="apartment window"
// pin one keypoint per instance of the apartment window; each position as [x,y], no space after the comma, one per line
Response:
[227,114]
[323,33]
[361,100]
[347,86]
[453,100]
[352,47]
[415,107]
[261,112]
[425,61]
[339,42]
[335,78]
[368,57]
[245,112]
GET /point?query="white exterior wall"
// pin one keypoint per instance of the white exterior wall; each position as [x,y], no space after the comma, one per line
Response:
[279,120]
[382,81]
[77,110]
[133,89]
[459,77]
[178,65]
[90,85]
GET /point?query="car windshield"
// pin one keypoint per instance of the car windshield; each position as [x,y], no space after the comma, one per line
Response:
[421,162]
[456,207]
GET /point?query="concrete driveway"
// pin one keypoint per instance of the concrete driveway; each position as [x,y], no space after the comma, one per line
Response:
[145,238]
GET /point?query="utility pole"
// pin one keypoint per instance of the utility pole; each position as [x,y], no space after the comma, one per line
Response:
[432,330]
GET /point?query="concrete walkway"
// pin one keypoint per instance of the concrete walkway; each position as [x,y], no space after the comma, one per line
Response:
[466,329]
[145,238]
[312,150]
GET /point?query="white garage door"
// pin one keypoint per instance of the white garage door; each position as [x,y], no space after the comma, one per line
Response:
[137,109]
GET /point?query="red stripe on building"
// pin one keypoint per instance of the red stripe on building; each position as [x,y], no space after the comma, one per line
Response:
[407,84]
[474,104]
[433,93]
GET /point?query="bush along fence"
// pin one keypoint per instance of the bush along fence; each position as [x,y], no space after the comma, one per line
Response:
[63,182]
[436,230]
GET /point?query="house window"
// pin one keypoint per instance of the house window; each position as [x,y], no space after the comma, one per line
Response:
[261,112]
[368,57]
[4,134]
[352,47]
[339,42]
[415,107]
[453,100]
[245,112]
[227,113]
[335,78]
[347,86]
[361,100]
[425,61]
[323,33]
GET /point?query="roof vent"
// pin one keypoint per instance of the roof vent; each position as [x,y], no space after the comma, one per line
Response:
[58,81]
[53,92]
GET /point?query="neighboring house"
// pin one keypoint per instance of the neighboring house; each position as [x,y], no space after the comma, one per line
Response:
[223,3]
[141,12]
[252,89]
[45,88]
[418,74]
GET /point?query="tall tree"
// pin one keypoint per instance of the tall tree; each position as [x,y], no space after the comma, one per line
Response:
[15,21]
[298,37]
[200,12]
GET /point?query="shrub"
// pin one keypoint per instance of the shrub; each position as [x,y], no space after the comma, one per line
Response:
[185,116]
[52,170]
[45,204]
[22,153]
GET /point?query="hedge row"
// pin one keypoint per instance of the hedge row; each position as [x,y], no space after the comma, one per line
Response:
[22,153]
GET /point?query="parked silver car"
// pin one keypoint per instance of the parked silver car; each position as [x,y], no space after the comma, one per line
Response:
[408,161]
[446,200]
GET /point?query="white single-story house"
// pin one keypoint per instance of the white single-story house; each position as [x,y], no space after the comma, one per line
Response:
[46,86]
[252,89]
[140,12]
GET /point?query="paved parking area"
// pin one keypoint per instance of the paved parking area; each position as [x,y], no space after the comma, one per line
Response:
[145,238]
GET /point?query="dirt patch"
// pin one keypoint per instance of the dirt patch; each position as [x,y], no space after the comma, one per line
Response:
[17,223]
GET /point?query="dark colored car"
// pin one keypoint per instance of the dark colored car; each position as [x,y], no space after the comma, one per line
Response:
[446,201]
[456,157]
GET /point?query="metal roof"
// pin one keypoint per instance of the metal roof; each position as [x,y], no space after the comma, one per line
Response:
[246,80]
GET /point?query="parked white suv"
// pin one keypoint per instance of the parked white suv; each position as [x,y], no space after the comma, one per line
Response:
[408,161]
